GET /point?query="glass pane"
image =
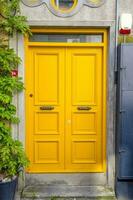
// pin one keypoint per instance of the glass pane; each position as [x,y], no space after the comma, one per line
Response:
[64,5]
[69,38]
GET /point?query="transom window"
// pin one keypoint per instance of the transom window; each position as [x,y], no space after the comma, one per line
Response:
[69,38]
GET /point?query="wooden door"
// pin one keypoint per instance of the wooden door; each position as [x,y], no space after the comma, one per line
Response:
[64,109]
[45,109]
[84,109]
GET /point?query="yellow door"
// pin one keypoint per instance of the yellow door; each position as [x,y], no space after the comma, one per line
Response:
[84,110]
[64,89]
[45,109]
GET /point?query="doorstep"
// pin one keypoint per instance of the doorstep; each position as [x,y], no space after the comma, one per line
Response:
[41,192]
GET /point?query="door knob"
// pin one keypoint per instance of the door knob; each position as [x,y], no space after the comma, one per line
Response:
[30,95]
[84,108]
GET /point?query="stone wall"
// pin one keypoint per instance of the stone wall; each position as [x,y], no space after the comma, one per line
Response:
[106,12]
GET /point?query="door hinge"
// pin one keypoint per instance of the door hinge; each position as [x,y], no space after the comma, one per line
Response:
[123,67]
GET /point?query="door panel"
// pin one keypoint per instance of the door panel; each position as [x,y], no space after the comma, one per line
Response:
[83,64]
[47,122]
[84,89]
[46,78]
[46,109]
[83,152]
[64,109]
[83,123]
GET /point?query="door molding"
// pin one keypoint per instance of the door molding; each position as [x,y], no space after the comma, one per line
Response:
[103,44]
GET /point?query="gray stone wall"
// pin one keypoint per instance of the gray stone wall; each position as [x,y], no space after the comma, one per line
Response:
[125,6]
[104,13]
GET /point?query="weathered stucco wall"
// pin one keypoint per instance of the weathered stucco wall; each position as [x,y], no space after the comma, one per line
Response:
[125,6]
[104,13]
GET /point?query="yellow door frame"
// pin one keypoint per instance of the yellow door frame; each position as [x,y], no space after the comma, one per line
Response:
[102,44]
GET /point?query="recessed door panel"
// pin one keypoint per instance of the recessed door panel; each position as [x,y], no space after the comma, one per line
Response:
[47,122]
[84,123]
[46,78]
[47,152]
[84,151]
[83,72]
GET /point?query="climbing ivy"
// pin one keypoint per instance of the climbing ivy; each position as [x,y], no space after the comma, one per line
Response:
[12,21]
[12,156]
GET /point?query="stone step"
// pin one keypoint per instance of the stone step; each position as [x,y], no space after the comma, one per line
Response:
[41,192]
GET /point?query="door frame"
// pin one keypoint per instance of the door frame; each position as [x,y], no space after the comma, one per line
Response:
[103,45]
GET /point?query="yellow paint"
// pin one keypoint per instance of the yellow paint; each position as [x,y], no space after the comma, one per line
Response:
[66,77]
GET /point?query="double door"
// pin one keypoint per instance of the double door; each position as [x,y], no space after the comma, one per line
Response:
[64,109]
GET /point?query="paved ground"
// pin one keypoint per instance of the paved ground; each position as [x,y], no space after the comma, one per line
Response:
[39,192]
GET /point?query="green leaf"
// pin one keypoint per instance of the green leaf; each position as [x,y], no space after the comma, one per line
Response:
[12,155]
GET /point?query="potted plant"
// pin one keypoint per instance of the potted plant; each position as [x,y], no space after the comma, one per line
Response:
[12,161]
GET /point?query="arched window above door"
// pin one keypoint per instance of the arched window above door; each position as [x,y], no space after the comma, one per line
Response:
[64,8]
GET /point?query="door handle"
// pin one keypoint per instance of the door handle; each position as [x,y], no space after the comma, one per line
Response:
[84,108]
[47,108]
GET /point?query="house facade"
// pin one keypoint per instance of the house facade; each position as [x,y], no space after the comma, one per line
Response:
[67,110]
